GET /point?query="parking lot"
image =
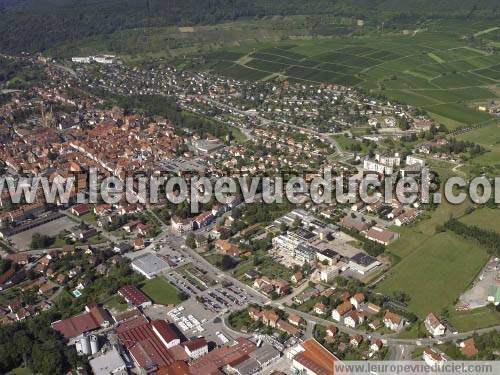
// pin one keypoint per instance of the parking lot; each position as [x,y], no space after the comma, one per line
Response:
[211,295]
[214,298]
[52,228]
[194,320]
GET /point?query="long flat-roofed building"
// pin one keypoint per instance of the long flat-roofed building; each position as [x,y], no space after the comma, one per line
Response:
[149,265]
[145,346]
[313,359]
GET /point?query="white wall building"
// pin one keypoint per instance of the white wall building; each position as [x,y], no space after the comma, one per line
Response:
[412,160]
[373,166]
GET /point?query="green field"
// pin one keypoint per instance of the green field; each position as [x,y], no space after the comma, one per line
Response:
[474,319]
[435,273]
[489,138]
[115,303]
[440,68]
[433,70]
[161,292]
[485,218]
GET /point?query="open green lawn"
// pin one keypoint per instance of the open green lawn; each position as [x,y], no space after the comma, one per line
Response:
[412,239]
[161,292]
[346,143]
[485,218]
[489,138]
[435,273]
[115,303]
[414,331]
[443,212]
[89,218]
[474,319]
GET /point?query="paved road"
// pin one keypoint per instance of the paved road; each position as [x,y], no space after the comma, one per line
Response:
[326,137]
[389,338]
[400,352]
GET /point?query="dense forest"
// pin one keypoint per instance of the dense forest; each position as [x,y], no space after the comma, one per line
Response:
[33,25]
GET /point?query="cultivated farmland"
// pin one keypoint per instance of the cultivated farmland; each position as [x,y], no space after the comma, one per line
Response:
[435,71]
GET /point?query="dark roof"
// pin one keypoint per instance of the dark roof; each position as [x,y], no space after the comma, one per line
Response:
[329,253]
[304,233]
[363,259]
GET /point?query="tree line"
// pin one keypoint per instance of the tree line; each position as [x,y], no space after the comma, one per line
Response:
[489,239]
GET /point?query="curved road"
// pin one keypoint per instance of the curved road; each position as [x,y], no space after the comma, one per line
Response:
[389,338]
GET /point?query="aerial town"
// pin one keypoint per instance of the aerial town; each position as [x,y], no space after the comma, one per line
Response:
[236,288]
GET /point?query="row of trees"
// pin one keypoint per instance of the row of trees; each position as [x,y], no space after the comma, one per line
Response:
[484,237]
[460,147]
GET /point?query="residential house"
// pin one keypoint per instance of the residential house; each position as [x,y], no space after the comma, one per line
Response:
[294,319]
[122,247]
[320,308]
[356,340]
[375,324]
[357,300]
[393,321]
[341,310]
[296,277]
[434,326]
[282,287]
[270,318]
[144,229]
[468,348]
[287,327]
[406,217]
[196,348]
[139,244]
[372,308]
[254,313]
[181,225]
[433,357]
[131,226]
[353,319]
[331,330]
[252,274]
[376,345]
[202,220]
[227,248]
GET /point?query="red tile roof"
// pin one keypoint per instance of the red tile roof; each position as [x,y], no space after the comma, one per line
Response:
[165,330]
[176,368]
[76,325]
[211,363]
[195,344]
[316,358]
[133,295]
[146,348]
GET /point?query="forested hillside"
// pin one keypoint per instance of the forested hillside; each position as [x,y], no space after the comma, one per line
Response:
[40,24]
